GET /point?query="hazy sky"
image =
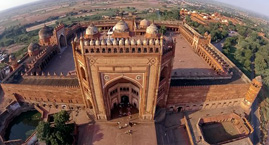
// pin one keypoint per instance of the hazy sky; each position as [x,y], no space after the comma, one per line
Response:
[6,4]
[259,6]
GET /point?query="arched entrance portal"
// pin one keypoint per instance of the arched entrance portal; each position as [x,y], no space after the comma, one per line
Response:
[122,98]
[62,42]
[125,100]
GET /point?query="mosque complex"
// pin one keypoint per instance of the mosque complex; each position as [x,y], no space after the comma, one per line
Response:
[117,68]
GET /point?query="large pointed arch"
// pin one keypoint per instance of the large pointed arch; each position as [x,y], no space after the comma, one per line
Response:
[126,78]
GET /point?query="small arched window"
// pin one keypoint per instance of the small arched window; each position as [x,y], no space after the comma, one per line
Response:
[83,74]
[133,50]
[151,50]
[157,50]
[145,50]
[127,50]
[139,50]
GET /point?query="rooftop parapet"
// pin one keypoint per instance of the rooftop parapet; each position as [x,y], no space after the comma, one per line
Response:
[123,45]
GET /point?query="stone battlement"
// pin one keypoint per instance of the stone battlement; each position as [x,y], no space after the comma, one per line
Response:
[125,46]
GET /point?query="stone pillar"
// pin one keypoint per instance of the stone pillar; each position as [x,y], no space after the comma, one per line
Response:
[252,93]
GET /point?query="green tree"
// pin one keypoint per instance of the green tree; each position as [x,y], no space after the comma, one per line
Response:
[43,131]
[260,64]
[60,133]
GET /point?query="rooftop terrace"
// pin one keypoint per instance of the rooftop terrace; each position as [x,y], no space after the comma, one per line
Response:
[187,62]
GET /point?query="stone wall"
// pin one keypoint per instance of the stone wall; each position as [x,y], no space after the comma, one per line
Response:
[44,94]
[205,97]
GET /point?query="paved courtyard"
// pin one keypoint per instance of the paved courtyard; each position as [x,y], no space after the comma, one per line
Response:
[108,133]
[61,63]
[187,62]
[172,130]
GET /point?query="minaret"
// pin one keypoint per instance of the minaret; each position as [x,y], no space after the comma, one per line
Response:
[252,93]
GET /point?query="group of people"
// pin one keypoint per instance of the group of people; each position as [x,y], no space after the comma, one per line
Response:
[131,124]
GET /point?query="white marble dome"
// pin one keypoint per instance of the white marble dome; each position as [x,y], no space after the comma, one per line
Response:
[151,42]
[121,42]
[145,42]
[103,42]
[108,42]
[121,26]
[127,42]
[115,42]
[139,42]
[97,42]
[91,30]
[144,23]
[152,29]
[92,42]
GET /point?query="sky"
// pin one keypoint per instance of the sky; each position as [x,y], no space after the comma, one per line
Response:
[259,6]
[6,4]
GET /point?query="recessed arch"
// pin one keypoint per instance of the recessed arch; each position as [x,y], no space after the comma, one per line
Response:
[123,77]
[62,41]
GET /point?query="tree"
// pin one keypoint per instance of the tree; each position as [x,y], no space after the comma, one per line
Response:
[43,131]
[60,133]
[260,64]
[61,118]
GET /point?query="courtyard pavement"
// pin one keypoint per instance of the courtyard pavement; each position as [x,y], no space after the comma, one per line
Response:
[187,62]
[172,130]
[108,133]
[61,63]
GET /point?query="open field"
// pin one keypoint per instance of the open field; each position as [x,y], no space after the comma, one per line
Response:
[40,26]
[48,9]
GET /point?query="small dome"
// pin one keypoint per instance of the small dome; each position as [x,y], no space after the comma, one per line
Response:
[103,42]
[151,42]
[121,26]
[157,42]
[133,42]
[33,47]
[91,30]
[97,42]
[108,42]
[127,42]
[152,29]
[138,42]
[92,42]
[145,42]
[86,43]
[45,32]
[144,23]
[121,42]
[115,42]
